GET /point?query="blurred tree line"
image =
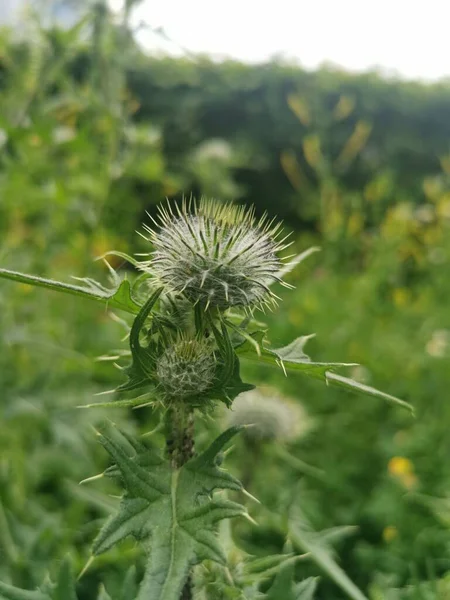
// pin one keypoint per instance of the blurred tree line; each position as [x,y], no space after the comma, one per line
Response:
[377,139]
[298,143]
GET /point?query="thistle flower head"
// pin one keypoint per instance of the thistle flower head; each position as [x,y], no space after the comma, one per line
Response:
[186,368]
[272,416]
[216,254]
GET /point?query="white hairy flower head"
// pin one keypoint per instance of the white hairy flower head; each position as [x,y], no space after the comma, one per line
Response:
[216,254]
[272,416]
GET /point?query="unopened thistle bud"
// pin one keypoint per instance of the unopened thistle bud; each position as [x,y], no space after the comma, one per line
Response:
[272,416]
[186,368]
[217,254]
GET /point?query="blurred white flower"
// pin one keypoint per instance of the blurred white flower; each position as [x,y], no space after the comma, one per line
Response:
[3,137]
[145,135]
[425,213]
[214,149]
[437,256]
[272,416]
[403,211]
[63,134]
[438,345]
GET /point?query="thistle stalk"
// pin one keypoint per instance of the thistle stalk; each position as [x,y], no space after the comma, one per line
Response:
[179,449]
[179,434]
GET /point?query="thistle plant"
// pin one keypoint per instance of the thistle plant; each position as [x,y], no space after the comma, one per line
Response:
[211,266]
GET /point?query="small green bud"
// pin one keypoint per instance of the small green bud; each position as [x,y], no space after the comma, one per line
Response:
[216,254]
[186,368]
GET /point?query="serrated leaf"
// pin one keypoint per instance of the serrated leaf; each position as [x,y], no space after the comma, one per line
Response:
[267,567]
[355,386]
[294,351]
[8,592]
[63,589]
[305,589]
[264,564]
[284,587]
[311,542]
[173,510]
[440,507]
[229,383]
[129,588]
[65,584]
[336,534]
[103,594]
[139,372]
[124,255]
[293,358]
[127,403]
[119,297]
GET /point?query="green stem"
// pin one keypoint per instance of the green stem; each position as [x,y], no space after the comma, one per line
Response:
[180,448]
[180,434]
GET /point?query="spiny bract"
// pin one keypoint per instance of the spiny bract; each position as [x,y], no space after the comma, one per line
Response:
[217,254]
[186,368]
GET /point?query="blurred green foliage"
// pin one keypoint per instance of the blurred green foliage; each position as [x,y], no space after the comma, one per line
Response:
[92,134]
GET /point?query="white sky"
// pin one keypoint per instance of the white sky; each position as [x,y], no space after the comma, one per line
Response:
[405,37]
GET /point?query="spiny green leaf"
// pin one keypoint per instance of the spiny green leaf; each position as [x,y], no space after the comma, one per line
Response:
[174,510]
[63,589]
[440,507]
[122,298]
[139,372]
[127,403]
[284,588]
[103,594]
[264,564]
[241,577]
[293,358]
[311,542]
[355,386]
[65,584]
[129,589]
[305,589]
[123,255]
[229,382]
[256,570]
[8,592]
[119,297]
[336,534]
[294,351]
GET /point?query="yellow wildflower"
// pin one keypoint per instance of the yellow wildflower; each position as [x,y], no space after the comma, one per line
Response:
[390,533]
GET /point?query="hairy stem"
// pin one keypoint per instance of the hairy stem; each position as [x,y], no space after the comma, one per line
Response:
[180,434]
[180,448]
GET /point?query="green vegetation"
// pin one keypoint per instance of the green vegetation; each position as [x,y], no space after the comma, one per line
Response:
[355,495]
